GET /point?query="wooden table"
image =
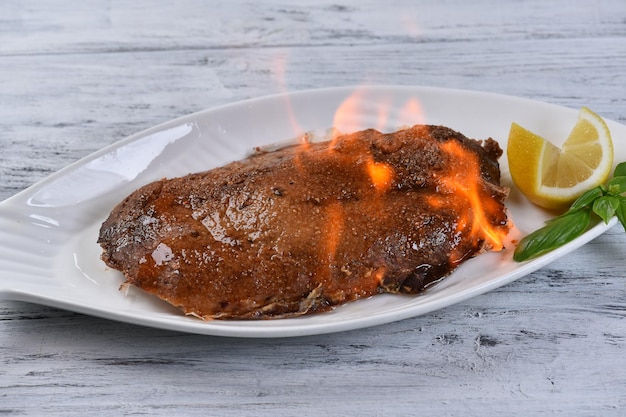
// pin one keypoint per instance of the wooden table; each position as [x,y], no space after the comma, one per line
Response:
[77,76]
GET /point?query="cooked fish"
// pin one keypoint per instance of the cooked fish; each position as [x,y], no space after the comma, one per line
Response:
[308,227]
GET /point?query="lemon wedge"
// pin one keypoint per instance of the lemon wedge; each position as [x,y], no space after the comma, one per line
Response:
[553,178]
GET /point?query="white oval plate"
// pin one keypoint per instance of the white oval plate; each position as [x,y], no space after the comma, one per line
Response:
[48,249]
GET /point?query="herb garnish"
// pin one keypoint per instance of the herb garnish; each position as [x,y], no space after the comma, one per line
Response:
[603,201]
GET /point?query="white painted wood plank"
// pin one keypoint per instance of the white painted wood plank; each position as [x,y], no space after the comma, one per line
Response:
[75,77]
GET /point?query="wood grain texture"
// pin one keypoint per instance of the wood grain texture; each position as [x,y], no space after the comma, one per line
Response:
[75,77]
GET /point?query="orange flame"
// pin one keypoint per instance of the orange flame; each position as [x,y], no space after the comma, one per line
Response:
[381,175]
[411,113]
[335,221]
[347,115]
[346,110]
[465,181]
[279,67]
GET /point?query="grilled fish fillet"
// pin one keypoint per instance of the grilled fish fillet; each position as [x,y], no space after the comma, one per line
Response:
[308,227]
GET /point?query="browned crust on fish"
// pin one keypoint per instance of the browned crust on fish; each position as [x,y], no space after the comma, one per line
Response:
[305,228]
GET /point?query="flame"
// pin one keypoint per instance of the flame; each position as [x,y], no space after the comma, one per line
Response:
[347,109]
[411,113]
[465,181]
[280,64]
[335,220]
[355,106]
[380,174]
[346,115]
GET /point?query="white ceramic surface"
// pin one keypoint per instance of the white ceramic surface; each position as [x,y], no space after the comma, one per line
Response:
[48,249]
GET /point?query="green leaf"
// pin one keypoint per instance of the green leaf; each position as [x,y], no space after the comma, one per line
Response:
[620,170]
[587,198]
[558,232]
[606,206]
[603,201]
[617,185]
[621,212]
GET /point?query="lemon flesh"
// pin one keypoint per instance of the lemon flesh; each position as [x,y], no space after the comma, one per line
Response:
[553,177]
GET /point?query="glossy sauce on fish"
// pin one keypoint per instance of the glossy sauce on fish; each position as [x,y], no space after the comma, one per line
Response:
[305,228]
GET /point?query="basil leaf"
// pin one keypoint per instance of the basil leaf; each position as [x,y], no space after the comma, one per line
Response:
[620,170]
[587,198]
[617,185]
[558,232]
[621,212]
[603,201]
[605,207]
